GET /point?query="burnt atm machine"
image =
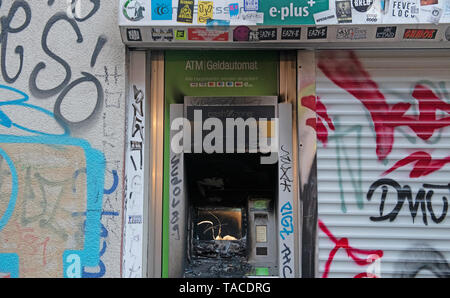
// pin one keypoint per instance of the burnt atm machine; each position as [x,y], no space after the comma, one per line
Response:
[231,188]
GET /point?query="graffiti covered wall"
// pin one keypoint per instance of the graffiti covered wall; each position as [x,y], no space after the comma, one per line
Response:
[61,139]
[383,163]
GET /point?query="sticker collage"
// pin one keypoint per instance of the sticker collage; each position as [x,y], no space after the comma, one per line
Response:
[284,20]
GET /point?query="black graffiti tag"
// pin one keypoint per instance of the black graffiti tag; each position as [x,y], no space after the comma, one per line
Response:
[6,29]
[65,86]
[422,200]
[86,78]
[286,253]
[34,89]
[138,113]
[286,166]
[176,192]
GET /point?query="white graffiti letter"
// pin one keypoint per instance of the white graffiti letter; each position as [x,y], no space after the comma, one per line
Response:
[74,269]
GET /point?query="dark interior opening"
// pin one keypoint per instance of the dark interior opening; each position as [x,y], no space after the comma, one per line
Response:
[228,179]
[219,187]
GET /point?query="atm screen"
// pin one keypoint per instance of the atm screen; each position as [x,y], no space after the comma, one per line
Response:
[218,224]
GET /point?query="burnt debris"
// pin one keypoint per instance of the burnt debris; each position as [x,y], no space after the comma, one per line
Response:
[218,258]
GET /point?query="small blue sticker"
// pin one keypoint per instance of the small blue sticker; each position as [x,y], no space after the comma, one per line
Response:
[162,10]
[251,5]
[234,9]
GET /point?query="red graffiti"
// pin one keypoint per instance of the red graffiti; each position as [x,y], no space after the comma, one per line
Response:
[351,251]
[429,103]
[316,123]
[423,164]
[348,73]
[27,242]
[365,275]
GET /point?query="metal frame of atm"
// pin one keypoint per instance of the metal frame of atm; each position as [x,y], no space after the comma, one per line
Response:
[142,251]
[286,213]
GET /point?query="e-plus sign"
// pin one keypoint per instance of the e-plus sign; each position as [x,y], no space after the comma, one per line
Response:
[311,2]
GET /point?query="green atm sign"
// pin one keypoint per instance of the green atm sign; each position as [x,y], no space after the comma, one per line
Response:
[285,12]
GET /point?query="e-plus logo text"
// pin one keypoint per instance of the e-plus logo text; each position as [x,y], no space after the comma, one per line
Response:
[291,10]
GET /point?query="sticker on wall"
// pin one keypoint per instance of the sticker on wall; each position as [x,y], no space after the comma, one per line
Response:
[234,9]
[384,6]
[202,34]
[317,33]
[133,10]
[180,35]
[185,12]
[420,34]
[325,17]
[431,14]
[134,219]
[134,35]
[253,35]
[344,11]
[241,33]
[267,34]
[362,5]
[290,33]
[374,14]
[244,33]
[402,11]
[428,2]
[205,11]
[159,34]
[161,10]
[251,17]
[282,12]
[386,32]
[251,5]
[351,33]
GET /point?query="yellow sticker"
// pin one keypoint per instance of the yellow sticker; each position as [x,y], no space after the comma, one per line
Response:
[185,11]
[205,11]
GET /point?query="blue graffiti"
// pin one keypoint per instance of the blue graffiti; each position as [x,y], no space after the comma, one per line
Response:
[89,256]
[115,184]
[13,198]
[9,263]
[22,102]
[101,265]
[75,176]
[286,220]
[103,234]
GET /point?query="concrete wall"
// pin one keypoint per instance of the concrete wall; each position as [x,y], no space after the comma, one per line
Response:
[62,125]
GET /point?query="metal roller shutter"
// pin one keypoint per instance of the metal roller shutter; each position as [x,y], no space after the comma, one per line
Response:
[383,159]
